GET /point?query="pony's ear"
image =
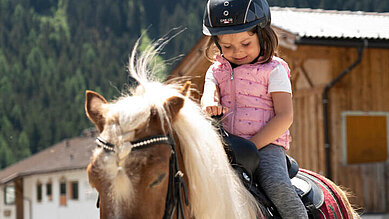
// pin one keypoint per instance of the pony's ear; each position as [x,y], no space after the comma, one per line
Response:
[185,89]
[173,106]
[94,109]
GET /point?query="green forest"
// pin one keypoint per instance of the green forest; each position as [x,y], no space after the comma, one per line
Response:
[51,51]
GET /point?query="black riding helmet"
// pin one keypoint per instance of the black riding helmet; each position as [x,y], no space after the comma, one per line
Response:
[234,16]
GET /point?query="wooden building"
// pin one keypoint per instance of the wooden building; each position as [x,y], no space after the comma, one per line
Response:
[339,62]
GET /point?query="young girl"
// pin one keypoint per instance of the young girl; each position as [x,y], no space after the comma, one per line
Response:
[251,87]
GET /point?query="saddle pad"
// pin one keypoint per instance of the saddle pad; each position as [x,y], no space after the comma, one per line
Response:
[333,206]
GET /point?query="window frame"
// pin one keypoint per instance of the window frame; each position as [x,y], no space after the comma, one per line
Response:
[63,196]
[6,202]
[72,192]
[49,190]
[344,114]
[39,192]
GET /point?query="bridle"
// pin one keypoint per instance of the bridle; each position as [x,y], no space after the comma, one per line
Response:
[176,177]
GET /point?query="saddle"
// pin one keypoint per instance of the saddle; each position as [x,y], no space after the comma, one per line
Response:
[244,158]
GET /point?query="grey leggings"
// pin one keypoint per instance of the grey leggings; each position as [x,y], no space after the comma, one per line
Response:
[274,179]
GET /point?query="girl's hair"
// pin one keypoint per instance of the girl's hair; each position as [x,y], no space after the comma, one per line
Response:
[269,44]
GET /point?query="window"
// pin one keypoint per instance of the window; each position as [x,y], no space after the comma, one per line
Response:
[49,192]
[365,137]
[73,193]
[9,195]
[39,192]
[62,188]
[62,193]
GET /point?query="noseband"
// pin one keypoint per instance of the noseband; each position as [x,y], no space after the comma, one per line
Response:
[176,177]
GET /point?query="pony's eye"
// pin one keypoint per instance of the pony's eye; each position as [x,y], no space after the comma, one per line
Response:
[158,180]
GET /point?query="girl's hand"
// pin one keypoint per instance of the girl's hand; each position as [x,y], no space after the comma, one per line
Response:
[215,110]
[210,101]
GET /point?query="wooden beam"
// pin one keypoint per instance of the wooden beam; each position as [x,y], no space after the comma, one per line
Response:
[304,52]
[19,194]
[302,69]
[285,38]
[308,92]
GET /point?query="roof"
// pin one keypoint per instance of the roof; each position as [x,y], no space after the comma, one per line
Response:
[318,23]
[69,154]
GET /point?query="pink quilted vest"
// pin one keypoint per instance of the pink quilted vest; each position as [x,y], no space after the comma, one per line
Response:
[244,91]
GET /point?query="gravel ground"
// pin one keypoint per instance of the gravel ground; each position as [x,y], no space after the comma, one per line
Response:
[375,216]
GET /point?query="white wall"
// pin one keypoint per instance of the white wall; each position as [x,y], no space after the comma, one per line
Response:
[83,208]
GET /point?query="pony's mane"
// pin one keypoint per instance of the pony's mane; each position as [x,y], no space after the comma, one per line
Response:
[215,190]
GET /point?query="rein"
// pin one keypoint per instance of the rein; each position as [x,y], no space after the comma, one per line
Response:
[176,176]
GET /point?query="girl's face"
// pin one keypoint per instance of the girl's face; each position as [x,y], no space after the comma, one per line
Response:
[240,48]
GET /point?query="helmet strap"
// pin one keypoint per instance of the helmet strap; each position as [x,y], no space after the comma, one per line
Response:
[262,51]
[217,44]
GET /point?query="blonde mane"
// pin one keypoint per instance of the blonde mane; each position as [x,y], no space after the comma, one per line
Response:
[215,189]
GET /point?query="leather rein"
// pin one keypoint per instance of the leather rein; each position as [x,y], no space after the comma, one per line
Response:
[176,177]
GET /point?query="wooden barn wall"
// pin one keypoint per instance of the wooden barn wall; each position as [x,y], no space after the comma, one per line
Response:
[365,88]
[193,67]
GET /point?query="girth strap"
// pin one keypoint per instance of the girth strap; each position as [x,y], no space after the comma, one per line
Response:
[312,211]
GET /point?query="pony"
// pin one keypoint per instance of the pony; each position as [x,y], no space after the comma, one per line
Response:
[159,156]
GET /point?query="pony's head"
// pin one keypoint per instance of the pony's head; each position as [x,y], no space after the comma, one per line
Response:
[129,181]
[133,180]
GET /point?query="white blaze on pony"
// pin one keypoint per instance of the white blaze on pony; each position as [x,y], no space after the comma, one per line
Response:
[133,183]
